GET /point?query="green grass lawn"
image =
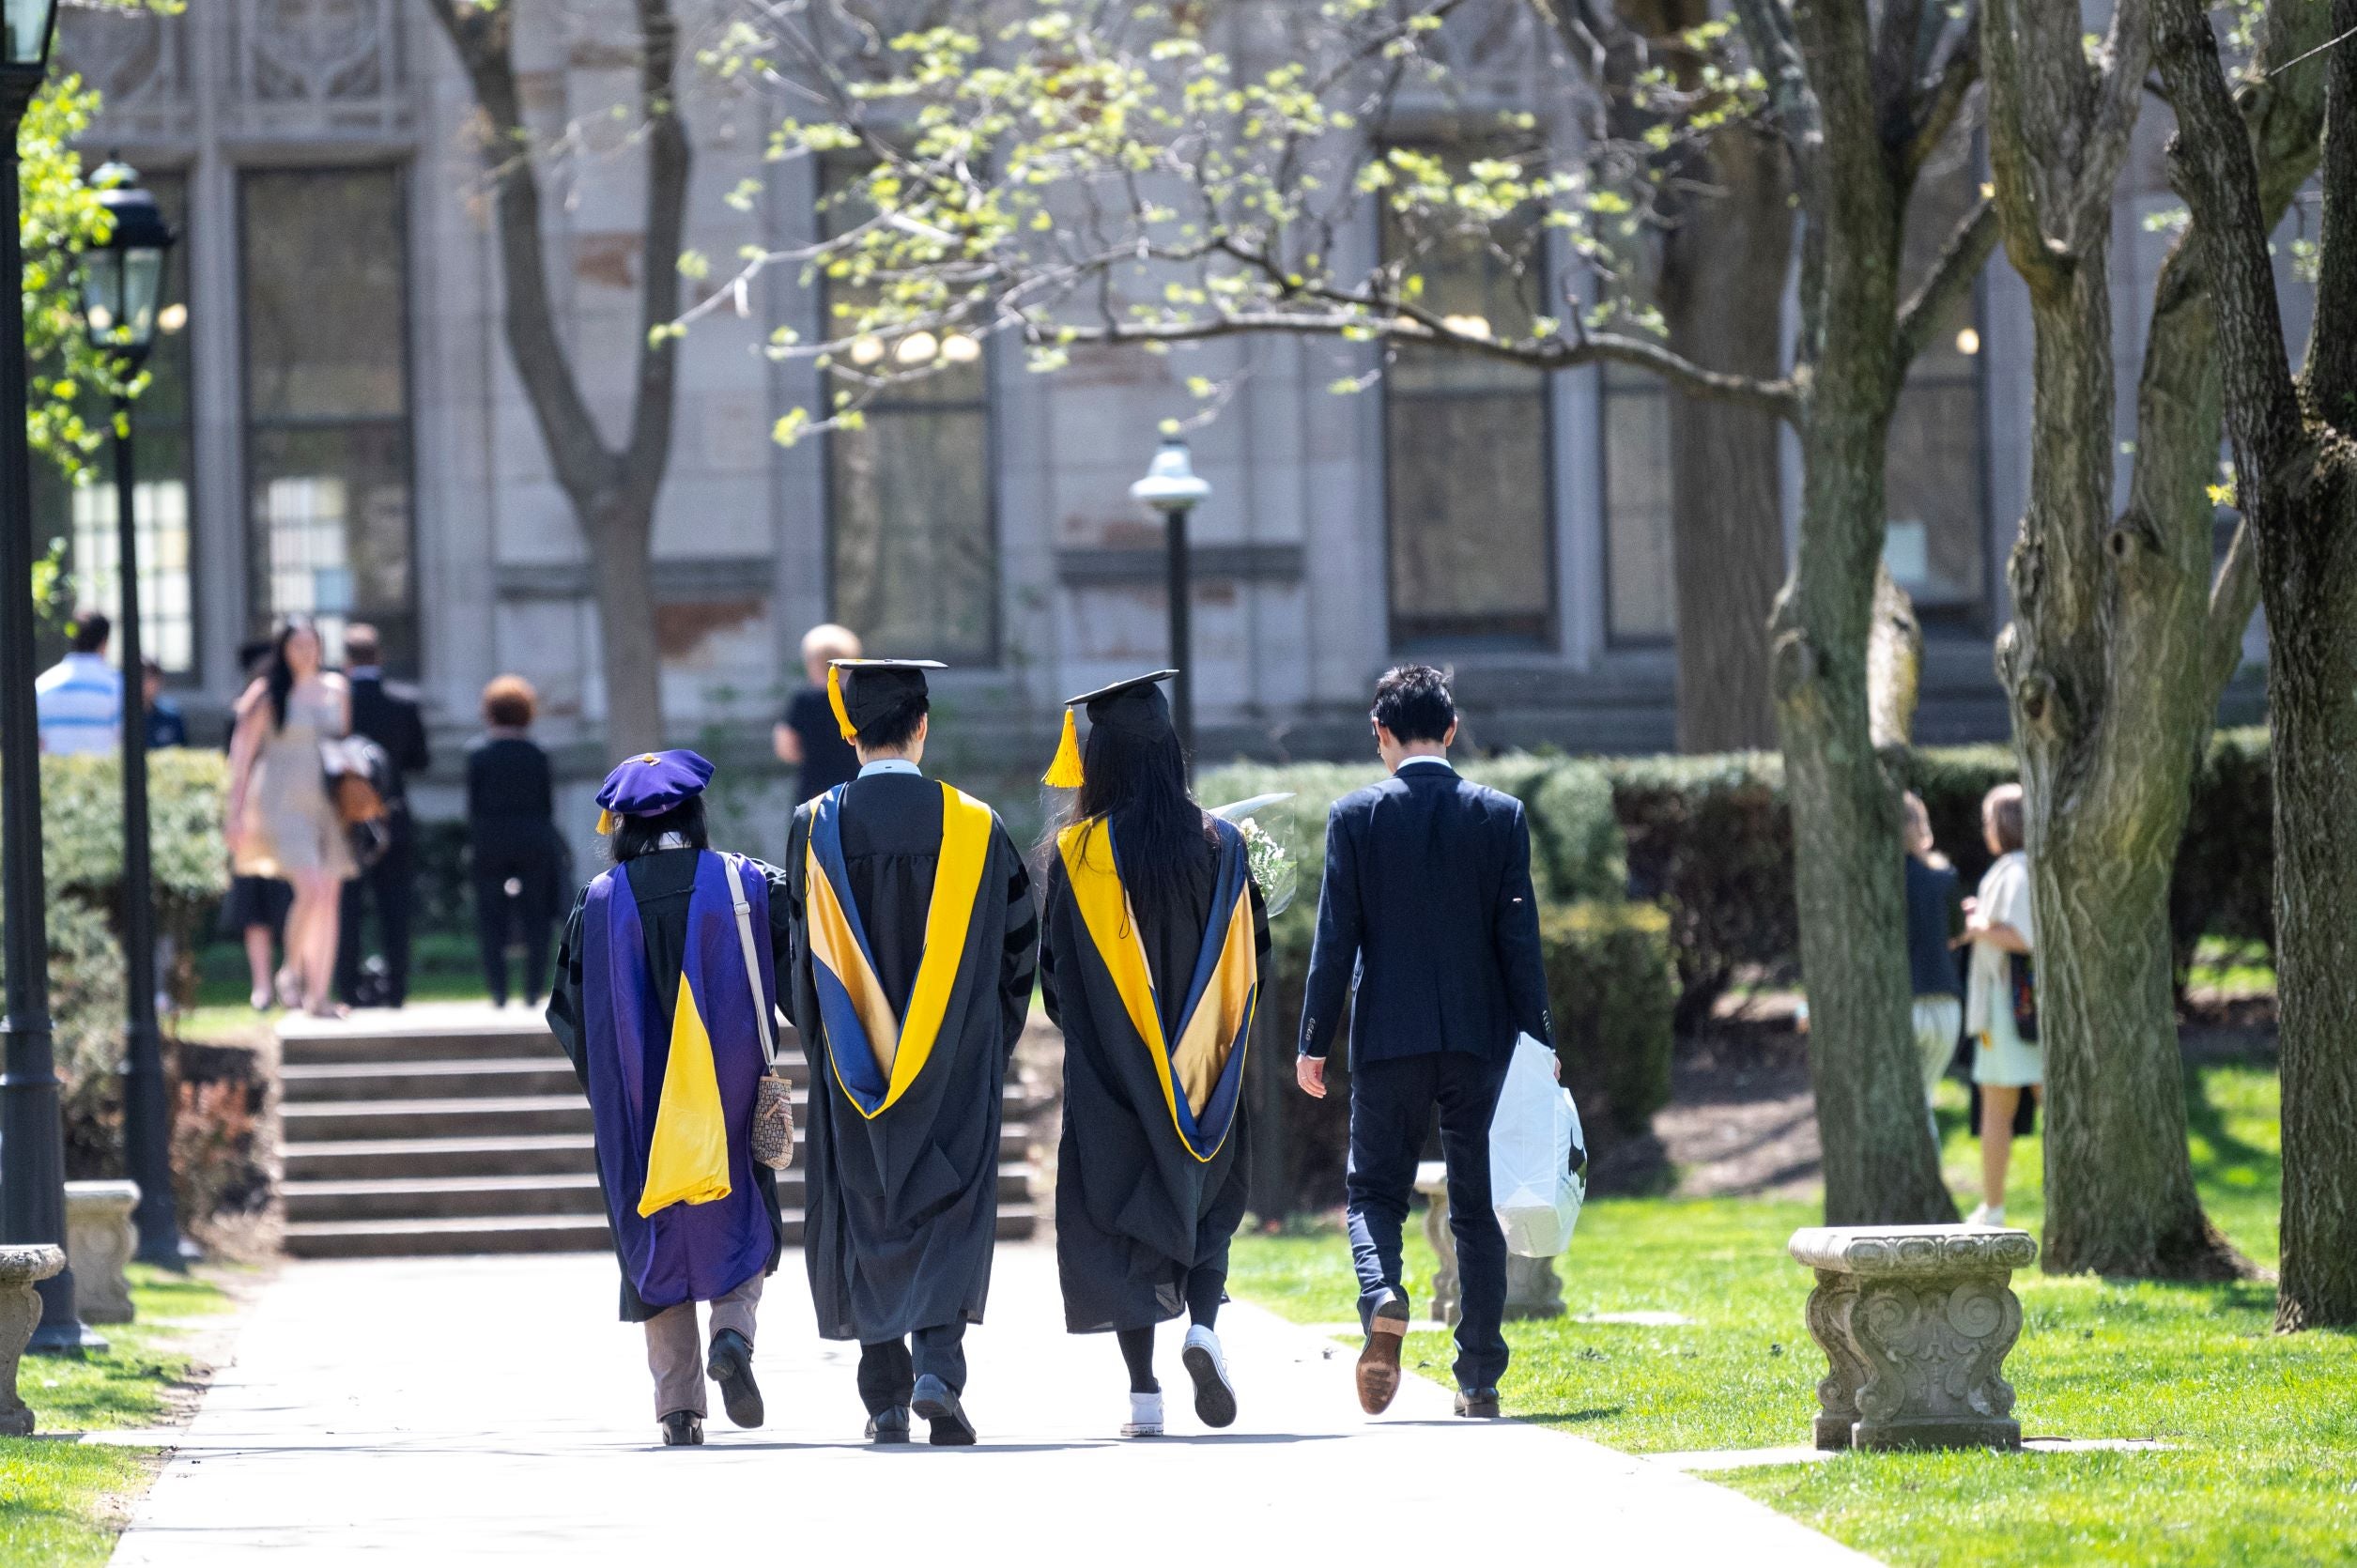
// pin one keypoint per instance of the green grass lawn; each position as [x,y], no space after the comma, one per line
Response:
[2265,1469]
[63,1502]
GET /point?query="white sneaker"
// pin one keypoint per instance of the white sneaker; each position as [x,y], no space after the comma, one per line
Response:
[1987,1218]
[1145,1416]
[1214,1395]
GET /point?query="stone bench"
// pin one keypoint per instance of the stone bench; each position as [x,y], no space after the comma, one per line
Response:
[1532,1288]
[99,1243]
[21,1269]
[1915,1322]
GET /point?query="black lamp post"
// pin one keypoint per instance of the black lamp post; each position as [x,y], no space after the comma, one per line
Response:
[122,291]
[1172,488]
[31,1153]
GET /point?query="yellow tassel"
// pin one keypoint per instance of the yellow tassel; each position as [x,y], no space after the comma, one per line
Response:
[1064,773]
[605,822]
[835,700]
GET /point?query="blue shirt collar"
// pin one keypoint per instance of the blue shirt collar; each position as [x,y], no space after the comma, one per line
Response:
[889,765]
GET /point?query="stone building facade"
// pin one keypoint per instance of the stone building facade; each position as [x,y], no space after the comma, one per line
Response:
[338,430]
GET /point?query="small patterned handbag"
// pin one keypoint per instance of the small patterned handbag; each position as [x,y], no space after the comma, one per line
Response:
[772,1132]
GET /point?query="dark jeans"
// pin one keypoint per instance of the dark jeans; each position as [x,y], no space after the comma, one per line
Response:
[888,1370]
[391,885]
[527,915]
[1391,1107]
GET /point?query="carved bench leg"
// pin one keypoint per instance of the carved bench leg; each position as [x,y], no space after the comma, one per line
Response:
[1829,1308]
[20,1314]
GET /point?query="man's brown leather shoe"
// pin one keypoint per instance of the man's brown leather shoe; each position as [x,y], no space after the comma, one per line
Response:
[1379,1361]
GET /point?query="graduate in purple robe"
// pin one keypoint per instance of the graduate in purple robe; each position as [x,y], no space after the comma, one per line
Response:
[656,1006]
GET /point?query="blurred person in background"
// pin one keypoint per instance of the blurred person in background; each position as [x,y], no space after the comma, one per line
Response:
[80,698]
[254,911]
[280,822]
[519,856]
[1935,921]
[388,714]
[1998,996]
[166,725]
[809,737]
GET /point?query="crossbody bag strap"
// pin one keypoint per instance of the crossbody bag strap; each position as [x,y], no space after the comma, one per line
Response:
[752,959]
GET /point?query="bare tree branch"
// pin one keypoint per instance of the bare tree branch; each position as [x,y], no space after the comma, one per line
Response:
[1960,261]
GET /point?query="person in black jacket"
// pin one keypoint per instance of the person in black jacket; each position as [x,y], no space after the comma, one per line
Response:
[1428,907]
[388,714]
[519,856]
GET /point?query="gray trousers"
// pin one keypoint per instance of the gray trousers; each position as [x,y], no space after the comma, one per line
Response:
[675,1354]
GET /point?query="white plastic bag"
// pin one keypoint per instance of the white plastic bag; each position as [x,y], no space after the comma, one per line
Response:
[1533,1140]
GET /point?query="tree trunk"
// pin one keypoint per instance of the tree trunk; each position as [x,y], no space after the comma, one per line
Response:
[2106,677]
[612,492]
[630,657]
[2310,580]
[1722,294]
[2115,670]
[1879,1165]
[2296,479]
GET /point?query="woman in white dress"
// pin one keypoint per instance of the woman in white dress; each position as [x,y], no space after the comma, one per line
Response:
[280,822]
[1999,924]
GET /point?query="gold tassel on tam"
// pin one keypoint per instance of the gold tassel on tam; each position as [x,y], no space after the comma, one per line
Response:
[605,822]
[835,700]
[1064,773]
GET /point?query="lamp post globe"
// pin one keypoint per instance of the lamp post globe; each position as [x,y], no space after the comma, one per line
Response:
[32,1154]
[1172,488]
[122,281]
[122,298]
[27,28]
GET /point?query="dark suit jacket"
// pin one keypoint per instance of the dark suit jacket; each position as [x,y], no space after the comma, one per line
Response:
[1427,910]
[390,716]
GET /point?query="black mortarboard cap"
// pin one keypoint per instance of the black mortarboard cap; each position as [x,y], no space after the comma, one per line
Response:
[862,691]
[1137,705]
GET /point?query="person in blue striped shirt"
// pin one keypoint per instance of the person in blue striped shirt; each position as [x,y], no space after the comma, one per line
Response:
[81,697]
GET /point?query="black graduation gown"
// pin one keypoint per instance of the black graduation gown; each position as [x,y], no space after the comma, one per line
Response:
[661,882]
[1135,1213]
[901,1211]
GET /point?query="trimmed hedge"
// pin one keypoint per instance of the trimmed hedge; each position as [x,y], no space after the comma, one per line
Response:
[1608,981]
[82,855]
[1709,840]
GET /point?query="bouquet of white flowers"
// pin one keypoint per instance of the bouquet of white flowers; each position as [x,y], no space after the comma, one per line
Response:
[1274,867]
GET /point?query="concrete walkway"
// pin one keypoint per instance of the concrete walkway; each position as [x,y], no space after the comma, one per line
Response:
[444,1411]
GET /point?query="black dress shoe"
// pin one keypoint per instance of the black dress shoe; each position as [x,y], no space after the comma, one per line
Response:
[888,1426]
[1477,1402]
[731,1367]
[940,1408]
[683,1429]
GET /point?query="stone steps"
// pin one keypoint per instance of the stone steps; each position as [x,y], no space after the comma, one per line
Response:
[493,1076]
[471,1235]
[328,1200]
[455,1130]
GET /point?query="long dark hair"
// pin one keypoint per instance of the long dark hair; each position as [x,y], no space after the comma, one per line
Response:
[279,682]
[638,836]
[1137,784]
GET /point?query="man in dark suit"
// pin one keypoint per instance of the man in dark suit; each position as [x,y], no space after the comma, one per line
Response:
[1428,914]
[388,715]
